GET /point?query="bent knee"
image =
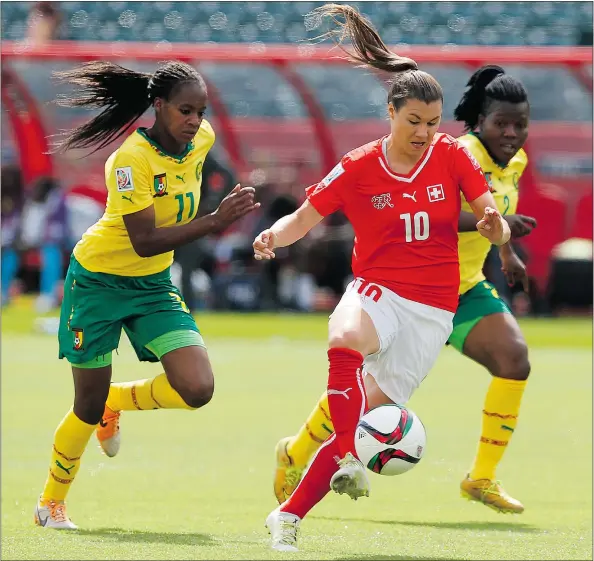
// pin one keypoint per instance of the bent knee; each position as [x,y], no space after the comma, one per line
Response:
[197,395]
[89,409]
[514,363]
[347,339]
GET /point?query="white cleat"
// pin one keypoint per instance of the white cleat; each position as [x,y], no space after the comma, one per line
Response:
[52,514]
[351,478]
[283,528]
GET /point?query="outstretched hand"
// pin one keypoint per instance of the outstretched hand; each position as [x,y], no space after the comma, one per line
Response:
[238,203]
[520,225]
[493,227]
[515,271]
[263,245]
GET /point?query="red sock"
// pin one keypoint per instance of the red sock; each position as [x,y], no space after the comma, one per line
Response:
[316,481]
[346,396]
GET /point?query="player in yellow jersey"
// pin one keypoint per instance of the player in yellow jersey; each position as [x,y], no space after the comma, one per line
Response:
[119,273]
[495,112]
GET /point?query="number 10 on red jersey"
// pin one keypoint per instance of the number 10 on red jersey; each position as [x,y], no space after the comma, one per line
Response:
[416,228]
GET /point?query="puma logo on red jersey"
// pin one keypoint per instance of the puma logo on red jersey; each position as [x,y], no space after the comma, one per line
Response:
[382,201]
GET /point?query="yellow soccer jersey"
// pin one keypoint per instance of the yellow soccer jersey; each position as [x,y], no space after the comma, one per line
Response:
[140,174]
[503,182]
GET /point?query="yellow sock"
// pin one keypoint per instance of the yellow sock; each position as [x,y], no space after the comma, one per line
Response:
[153,393]
[312,434]
[500,417]
[70,440]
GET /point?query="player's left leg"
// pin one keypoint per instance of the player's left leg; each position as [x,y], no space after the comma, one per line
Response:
[294,453]
[494,340]
[283,522]
[392,376]
[91,384]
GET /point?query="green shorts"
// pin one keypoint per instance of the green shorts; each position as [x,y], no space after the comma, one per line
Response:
[480,301]
[97,306]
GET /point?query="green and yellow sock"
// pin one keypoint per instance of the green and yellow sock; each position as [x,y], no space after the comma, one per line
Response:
[312,434]
[70,440]
[152,393]
[500,416]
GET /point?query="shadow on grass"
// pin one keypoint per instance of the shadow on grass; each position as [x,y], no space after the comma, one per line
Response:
[143,536]
[371,556]
[518,527]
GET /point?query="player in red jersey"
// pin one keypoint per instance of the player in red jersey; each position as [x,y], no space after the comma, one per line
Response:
[401,193]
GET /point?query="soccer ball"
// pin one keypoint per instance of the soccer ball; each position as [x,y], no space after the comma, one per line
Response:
[390,439]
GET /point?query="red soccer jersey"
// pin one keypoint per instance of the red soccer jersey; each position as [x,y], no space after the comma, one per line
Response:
[406,226]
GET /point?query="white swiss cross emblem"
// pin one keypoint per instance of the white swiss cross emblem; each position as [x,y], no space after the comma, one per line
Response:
[382,201]
[435,193]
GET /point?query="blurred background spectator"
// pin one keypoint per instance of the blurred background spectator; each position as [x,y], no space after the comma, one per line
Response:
[43,23]
[11,197]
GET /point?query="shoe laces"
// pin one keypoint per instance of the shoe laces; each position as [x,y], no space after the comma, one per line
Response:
[288,532]
[494,488]
[292,476]
[57,511]
[112,423]
[348,460]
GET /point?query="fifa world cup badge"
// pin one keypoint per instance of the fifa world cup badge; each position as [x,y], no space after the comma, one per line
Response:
[78,338]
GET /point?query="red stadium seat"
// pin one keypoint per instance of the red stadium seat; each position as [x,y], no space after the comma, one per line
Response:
[583,221]
[551,216]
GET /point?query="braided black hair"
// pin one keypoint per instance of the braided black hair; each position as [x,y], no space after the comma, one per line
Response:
[489,83]
[123,94]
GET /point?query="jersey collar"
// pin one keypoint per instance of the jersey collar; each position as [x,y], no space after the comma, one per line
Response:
[179,157]
[410,177]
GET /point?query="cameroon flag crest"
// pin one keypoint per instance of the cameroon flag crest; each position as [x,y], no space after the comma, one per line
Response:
[78,338]
[160,185]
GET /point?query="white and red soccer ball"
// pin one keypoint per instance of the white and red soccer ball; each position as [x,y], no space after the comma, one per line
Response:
[390,439]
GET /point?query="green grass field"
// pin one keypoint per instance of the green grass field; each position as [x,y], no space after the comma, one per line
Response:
[198,485]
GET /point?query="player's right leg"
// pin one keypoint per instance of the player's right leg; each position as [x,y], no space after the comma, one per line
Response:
[161,329]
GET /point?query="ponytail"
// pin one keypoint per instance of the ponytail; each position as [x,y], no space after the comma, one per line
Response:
[487,84]
[122,93]
[370,50]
